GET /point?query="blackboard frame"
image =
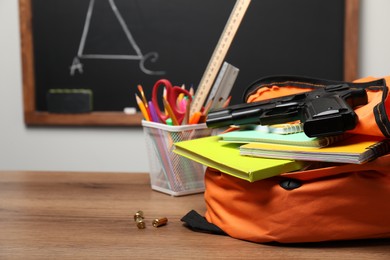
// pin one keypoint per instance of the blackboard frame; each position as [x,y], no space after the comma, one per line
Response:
[32,117]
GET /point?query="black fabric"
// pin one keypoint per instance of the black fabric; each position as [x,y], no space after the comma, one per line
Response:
[196,222]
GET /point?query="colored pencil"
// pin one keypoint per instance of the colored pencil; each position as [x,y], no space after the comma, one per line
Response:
[142,108]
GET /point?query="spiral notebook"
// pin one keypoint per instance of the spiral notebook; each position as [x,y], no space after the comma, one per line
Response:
[356,149]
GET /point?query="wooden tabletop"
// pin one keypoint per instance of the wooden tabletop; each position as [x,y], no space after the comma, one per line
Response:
[63,215]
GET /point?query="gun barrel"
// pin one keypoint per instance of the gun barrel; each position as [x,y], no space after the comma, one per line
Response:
[236,115]
[273,111]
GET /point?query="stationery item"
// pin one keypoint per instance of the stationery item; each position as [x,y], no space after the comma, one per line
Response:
[222,86]
[219,54]
[356,149]
[153,114]
[195,118]
[142,107]
[69,101]
[141,90]
[130,110]
[227,102]
[282,129]
[171,95]
[169,172]
[226,158]
[169,110]
[299,139]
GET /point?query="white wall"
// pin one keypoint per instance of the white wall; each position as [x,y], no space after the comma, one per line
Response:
[374,55]
[119,149]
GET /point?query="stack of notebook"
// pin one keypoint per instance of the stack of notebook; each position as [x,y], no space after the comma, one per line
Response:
[254,155]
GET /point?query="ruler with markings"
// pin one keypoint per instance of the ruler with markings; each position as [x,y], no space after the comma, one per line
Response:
[222,85]
[219,54]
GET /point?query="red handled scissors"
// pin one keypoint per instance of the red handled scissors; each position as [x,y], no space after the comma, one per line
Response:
[172,94]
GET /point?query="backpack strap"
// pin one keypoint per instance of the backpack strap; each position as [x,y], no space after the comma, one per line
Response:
[196,222]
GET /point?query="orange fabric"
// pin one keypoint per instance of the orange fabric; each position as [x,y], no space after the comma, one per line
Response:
[333,203]
[274,92]
[367,124]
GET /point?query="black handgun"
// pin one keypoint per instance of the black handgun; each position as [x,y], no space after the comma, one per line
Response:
[323,112]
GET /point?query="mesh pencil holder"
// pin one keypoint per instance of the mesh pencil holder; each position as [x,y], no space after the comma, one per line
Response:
[169,172]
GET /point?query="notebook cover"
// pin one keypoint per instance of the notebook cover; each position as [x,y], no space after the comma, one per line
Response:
[355,149]
[226,158]
[254,136]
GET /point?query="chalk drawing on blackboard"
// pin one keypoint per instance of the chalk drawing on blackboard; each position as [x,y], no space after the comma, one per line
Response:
[77,66]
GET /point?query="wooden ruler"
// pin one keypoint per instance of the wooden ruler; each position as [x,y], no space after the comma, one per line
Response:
[219,54]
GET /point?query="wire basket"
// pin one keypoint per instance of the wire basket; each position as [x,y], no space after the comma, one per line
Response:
[169,172]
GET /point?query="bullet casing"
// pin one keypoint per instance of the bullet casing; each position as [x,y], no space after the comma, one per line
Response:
[141,224]
[138,214]
[158,222]
[139,219]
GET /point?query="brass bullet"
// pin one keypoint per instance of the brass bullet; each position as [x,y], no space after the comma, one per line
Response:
[158,222]
[141,224]
[139,219]
[138,214]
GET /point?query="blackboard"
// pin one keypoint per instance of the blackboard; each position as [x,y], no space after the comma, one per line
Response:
[111,46]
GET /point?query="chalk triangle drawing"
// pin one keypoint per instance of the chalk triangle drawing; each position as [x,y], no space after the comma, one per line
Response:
[134,49]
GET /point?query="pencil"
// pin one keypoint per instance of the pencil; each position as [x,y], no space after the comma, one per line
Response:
[227,102]
[207,107]
[170,112]
[142,108]
[187,112]
[195,118]
[141,90]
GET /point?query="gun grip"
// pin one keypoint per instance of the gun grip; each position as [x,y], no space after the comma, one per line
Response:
[328,116]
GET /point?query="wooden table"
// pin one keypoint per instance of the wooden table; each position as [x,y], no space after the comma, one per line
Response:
[59,215]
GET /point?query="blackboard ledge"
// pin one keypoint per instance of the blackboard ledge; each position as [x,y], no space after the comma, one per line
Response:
[36,118]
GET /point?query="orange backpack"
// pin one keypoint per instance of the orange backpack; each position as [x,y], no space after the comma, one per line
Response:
[345,201]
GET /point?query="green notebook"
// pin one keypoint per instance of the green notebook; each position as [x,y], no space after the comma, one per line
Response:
[226,158]
[300,139]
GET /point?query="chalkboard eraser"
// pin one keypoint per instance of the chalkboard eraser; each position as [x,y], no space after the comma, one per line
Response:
[71,101]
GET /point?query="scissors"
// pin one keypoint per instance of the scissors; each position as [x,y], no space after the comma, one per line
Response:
[172,93]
